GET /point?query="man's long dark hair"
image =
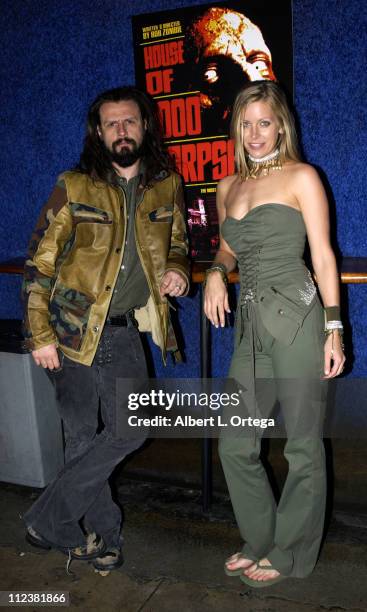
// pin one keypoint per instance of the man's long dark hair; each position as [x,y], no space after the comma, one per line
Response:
[95,160]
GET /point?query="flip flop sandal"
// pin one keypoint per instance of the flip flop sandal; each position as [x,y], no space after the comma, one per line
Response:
[239,570]
[261,584]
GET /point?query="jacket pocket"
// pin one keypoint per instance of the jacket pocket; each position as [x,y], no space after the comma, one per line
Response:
[84,213]
[163,214]
[281,316]
[70,310]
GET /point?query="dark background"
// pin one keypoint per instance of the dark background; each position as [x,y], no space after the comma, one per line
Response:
[58,55]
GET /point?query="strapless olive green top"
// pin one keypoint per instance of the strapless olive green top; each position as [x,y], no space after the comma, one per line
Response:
[269,243]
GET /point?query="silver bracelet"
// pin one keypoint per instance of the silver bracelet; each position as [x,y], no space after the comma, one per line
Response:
[333,325]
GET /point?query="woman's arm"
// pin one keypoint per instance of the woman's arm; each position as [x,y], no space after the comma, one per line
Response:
[216,295]
[314,207]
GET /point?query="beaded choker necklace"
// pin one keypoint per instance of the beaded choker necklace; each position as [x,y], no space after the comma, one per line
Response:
[262,166]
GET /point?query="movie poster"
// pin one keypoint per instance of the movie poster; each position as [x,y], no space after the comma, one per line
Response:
[193,61]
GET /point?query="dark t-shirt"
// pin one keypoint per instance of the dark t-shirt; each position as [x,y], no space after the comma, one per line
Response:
[131,289]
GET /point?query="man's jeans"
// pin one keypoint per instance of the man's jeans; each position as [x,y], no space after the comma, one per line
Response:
[81,490]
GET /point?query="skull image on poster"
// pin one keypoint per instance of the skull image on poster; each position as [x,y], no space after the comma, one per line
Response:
[225,50]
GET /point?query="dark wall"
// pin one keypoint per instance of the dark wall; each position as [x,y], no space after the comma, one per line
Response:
[56,56]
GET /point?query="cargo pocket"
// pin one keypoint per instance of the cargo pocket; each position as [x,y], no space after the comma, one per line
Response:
[281,316]
[163,214]
[69,310]
[84,213]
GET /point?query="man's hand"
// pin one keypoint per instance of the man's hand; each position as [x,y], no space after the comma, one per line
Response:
[172,284]
[47,357]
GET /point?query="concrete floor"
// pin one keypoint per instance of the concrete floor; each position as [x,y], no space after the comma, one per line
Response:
[174,559]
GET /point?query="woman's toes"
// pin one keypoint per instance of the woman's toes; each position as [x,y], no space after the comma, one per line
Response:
[249,569]
[271,575]
[255,572]
[237,562]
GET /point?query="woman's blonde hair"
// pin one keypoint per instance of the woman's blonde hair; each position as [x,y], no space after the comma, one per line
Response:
[270,92]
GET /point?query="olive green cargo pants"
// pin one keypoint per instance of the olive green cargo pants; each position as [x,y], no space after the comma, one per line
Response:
[288,534]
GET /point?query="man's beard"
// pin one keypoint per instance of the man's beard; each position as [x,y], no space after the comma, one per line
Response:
[128,155]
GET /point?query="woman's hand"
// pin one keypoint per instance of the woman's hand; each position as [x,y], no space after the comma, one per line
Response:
[216,295]
[216,299]
[334,355]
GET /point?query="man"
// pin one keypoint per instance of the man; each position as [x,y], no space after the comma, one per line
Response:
[109,247]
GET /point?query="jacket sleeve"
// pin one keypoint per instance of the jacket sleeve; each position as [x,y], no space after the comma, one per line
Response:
[51,234]
[178,255]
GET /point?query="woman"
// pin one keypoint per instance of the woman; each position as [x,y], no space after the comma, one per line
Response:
[265,212]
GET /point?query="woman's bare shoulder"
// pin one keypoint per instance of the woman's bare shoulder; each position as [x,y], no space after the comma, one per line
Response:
[225,185]
[306,186]
[301,171]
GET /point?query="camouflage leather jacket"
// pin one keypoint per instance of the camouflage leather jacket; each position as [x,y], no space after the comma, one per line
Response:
[75,255]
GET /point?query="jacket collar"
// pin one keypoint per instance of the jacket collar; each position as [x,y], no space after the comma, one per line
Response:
[160,176]
[144,183]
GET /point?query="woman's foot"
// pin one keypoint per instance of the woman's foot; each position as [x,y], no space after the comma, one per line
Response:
[262,571]
[236,564]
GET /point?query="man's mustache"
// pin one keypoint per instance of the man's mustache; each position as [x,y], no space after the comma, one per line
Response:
[123,141]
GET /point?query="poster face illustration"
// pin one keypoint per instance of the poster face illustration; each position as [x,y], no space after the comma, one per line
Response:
[193,62]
